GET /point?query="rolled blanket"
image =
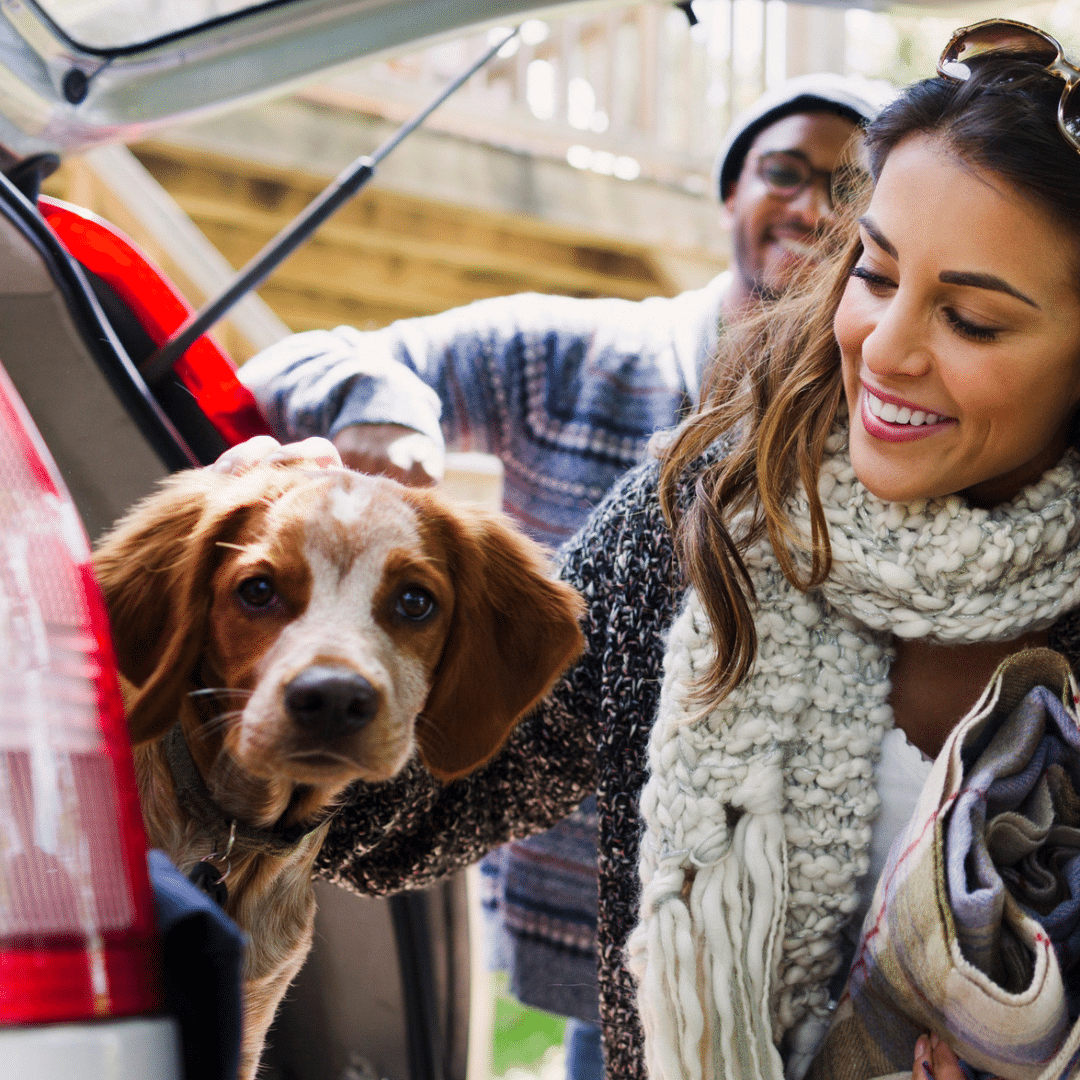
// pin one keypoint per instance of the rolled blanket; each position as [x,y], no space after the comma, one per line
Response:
[974,928]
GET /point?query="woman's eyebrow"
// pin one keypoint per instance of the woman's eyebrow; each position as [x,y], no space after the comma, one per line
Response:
[984,281]
[877,236]
[950,277]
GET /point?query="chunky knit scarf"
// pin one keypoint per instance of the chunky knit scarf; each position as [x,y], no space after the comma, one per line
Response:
[758,815]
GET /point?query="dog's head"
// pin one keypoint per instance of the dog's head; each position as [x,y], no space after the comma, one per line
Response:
[321,623]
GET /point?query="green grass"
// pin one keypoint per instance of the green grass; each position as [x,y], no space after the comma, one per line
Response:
[522,1035]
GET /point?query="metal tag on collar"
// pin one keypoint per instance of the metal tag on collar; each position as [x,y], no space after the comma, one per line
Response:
[209,873]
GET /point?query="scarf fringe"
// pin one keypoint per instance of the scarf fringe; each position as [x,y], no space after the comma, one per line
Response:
[706,967]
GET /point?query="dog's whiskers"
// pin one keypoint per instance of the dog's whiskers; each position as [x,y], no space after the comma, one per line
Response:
[215,723]
[235,547]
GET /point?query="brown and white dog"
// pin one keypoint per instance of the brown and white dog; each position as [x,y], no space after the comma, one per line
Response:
[285,632]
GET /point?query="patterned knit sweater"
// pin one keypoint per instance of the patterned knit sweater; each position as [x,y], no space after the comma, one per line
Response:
[564,391]
[591,734]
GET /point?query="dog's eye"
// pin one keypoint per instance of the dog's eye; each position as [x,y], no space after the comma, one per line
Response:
[256,591]
[415,603]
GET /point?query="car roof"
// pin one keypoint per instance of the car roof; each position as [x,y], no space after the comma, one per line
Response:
[66,85]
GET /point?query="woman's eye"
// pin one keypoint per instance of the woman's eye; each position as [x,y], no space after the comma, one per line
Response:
[415,603]
[970,330]
[875,283]
[256,592]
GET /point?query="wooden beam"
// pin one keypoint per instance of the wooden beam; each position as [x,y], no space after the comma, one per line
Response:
[285,192]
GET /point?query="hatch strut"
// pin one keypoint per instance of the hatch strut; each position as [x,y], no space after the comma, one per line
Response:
[335,195]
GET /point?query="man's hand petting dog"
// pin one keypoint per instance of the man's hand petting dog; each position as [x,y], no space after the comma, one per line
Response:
[286,628]
[391,450]
[266,450]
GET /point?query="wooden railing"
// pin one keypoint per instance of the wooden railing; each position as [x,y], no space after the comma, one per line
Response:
[635,90]
[625,90]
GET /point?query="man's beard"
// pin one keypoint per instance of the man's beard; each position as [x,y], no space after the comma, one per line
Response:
[756,286]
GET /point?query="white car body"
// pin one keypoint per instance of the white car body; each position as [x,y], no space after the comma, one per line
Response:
[110,1050]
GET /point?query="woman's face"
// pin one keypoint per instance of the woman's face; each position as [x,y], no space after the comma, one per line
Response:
[959,332]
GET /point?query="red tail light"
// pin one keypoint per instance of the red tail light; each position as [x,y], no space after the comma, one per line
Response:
[77,937]
[204,369]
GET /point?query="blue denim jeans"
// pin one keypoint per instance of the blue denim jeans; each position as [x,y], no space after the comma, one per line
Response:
[584,1051]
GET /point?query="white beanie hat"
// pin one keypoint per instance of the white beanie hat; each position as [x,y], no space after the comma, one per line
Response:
[851,96]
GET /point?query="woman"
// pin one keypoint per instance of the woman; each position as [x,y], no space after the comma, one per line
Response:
[923,392]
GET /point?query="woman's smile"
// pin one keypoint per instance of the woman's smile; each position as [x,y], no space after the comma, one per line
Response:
[887,417]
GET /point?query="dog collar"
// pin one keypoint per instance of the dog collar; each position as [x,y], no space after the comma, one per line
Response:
[195,799]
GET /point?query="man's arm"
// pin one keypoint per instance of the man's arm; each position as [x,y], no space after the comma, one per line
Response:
[473,375]
[347,386]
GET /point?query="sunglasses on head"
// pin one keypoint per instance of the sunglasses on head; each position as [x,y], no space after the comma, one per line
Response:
[1005,36]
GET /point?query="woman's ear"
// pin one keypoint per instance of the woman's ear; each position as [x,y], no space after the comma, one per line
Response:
[154,568]
[512,633]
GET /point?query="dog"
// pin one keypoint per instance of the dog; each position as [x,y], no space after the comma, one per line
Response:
[283,633]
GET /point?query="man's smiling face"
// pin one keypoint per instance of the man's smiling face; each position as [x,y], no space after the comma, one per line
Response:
[773,234]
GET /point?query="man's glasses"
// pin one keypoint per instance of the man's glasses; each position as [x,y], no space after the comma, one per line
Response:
[787,173]
[997,36]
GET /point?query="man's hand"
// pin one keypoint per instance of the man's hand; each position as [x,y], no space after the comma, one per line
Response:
[266,450]
[391,450]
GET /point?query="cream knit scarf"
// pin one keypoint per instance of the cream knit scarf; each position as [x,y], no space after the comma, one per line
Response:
[757,816]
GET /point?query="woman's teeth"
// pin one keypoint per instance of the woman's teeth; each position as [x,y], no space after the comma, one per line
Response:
[893,414]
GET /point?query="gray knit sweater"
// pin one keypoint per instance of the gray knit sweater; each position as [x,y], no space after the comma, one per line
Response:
[591,734]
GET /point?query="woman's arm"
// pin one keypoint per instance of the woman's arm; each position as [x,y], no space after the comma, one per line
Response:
[414,830]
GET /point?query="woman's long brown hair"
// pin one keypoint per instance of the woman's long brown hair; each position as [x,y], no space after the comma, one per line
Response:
[775,386]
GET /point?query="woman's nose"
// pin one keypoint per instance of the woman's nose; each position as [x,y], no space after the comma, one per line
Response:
[896,343]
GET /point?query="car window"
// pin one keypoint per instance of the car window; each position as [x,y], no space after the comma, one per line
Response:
[116,24]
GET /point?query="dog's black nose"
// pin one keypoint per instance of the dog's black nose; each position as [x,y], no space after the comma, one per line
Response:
[331,700]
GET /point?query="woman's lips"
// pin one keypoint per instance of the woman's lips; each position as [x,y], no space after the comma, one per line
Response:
[894,421]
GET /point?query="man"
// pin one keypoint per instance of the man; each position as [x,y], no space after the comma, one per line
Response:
[567,392]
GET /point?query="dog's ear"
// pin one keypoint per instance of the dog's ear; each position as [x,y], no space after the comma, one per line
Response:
[513,632]
[154,568]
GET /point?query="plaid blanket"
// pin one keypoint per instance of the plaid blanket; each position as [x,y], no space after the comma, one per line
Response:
[974,929]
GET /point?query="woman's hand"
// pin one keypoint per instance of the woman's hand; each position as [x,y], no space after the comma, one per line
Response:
[935,1061]
[265,450]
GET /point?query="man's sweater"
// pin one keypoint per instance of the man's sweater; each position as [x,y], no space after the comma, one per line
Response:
[565,391]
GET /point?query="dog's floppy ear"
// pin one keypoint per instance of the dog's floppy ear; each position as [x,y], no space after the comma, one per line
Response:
[154,568]
[513,632]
